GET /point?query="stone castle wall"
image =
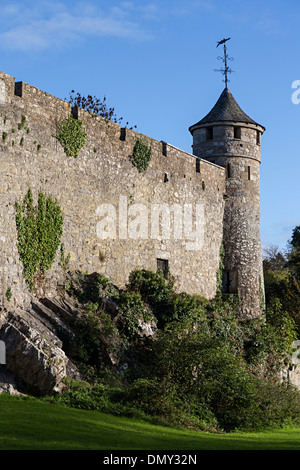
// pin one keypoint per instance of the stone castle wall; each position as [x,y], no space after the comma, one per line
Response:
[103,174]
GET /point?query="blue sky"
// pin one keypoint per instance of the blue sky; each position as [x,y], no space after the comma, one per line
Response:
[155,60]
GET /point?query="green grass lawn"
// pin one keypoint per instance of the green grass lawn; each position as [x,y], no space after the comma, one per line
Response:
[33,424]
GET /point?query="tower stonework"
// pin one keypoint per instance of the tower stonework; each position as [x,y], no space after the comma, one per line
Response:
[228,137]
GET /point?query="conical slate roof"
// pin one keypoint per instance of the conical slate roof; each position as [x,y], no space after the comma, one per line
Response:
[225,109]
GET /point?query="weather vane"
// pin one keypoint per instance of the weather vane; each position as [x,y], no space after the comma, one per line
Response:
[226,70]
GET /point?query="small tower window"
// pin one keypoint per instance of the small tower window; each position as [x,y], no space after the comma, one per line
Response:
[257,137]
[209,133]
[197,165]
[229,282]
[249,173]
[228,170]
[237,132]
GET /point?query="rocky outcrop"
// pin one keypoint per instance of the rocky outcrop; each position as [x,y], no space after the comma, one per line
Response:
[45,340]
[9,384]
[34,351]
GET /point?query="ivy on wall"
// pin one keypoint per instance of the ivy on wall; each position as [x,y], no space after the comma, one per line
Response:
[71,136]
[141,156]
[39,232]
[220,271]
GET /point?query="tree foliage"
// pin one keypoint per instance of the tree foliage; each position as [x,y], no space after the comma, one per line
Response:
[282,276]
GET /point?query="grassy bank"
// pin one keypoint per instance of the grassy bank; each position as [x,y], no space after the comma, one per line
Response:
[32,424]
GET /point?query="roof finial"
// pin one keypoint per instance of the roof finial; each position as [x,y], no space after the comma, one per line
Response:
[226,70]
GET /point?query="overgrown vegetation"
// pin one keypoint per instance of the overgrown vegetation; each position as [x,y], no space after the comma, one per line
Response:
[39,232]
[71,136]
[282,276]
[96,106]
[204,368]
[141,155]
[8,293]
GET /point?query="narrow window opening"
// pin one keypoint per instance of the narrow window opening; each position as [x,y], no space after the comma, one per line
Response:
[197,165]
[19,89]
[229,282]
[228,170]
[123,134]
[257,137]
[249,173]
[74,112]
[209,133]
[163,266]
[164,148]
[166,179]
[237,133]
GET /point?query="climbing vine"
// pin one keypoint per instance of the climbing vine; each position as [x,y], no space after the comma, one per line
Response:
[141,156]
[220,270]
[39,232]
[64,260]
[71,136]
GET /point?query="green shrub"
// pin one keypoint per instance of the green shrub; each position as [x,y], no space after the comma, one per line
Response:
[131,310]
[156,291]
[91,288]
[161,399]
[71,136]
[97,397]
[141,156]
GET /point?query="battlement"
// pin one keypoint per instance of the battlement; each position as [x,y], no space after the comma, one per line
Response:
[53,109]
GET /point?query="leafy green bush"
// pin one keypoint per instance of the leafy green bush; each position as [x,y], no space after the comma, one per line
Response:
[82,395]
[161,399]
[141,156]
[156,291]
[90,288]
[71,136]
[131,310]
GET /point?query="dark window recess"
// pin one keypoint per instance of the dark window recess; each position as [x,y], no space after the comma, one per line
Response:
[163,266]
[166,179]
[164,148]
[19,89]
[203,185]
[258,137]
[229,282]
[74,112]
[249,173]
[228,170]
[197,165]
[123,134]
[209,133]
[237,133]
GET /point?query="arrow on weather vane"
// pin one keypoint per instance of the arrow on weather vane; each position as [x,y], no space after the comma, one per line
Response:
[226,70]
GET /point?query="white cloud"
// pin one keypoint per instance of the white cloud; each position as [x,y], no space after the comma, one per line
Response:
[52,24]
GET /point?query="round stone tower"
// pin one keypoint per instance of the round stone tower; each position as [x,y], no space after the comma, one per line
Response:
[228,137]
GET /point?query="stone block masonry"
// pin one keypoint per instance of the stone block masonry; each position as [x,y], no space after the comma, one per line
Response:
[102,174]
